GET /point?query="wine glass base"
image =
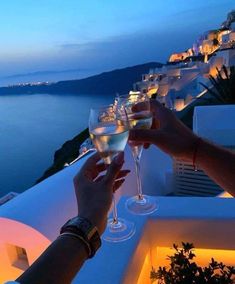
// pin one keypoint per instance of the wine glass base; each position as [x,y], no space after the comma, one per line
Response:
[118,232]
[144,206]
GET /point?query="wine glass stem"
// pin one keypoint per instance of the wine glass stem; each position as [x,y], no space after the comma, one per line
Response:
[139,185]
[115,215]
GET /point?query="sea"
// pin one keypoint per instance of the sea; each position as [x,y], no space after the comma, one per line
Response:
[32,128]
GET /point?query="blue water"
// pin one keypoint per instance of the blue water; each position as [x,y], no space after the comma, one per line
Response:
[32,127]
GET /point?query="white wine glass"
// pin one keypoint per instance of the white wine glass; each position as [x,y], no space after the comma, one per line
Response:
[140,118]
[109,135]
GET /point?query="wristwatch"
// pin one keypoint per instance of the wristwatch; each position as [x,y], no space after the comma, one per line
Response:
[83,229]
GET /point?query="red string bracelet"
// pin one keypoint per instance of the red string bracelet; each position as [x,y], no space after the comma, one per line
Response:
[196,146]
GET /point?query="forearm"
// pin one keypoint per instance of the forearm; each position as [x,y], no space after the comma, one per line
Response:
[218,163]
[58,264]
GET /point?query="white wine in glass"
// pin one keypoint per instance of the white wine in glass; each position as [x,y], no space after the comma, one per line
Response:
[109,139]
[109,135]
[138,118]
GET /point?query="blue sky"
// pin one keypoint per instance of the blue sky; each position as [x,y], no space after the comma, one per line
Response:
[98,35]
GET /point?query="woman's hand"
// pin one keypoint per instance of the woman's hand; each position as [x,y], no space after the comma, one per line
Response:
[94,191]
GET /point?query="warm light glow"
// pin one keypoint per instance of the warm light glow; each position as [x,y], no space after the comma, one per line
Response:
[215,63]
[20,235]
[152,91]
[213,71]
[178,104]
[134,93]
[178,56]
[144,276]
[133,97]
[158,257]
[225,194]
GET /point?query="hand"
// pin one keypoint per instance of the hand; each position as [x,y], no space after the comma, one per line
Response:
[94,194]
[167,132]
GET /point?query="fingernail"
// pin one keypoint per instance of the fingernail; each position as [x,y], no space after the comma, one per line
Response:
[119,159]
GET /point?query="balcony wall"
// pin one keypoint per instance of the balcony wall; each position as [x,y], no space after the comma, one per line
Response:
[207,222]
[32,220]
[215,123]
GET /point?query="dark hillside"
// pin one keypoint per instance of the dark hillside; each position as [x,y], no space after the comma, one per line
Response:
[116,81]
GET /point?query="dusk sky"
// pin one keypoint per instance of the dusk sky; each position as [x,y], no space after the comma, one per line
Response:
[88,37]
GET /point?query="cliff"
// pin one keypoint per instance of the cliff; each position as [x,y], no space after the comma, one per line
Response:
[68,152]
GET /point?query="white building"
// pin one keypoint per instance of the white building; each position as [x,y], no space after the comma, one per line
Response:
[229,38]
[228,56]
[181,78]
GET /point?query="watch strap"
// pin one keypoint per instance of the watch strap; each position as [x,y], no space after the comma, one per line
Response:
[85,231]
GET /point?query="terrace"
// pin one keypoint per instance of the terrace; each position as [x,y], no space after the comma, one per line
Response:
[28,223]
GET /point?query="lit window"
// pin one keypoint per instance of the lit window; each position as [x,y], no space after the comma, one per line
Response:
[18,256]
[21,253]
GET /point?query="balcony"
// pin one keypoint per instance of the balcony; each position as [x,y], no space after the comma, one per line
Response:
[31,221]
[178,219]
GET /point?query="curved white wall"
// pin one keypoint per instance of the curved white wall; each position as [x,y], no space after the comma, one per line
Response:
[33,219]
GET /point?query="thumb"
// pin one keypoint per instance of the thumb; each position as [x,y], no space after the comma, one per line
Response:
[114,169]
[144,135]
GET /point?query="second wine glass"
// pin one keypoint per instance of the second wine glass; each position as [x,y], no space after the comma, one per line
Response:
[137,110]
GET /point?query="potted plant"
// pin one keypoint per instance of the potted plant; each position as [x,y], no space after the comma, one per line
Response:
[184,270]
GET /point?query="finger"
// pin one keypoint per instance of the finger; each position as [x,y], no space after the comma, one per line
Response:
[156,123]
[159,111]
[92,161]
[122,173]
[92,174]
[114,169]
[155,104]
[89,169]
[96,171]
[141,106]
[150,136]
[118,184]
[99,178]
[101,167]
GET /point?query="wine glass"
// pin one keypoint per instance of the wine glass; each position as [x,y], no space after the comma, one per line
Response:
[138,118]
[109,135]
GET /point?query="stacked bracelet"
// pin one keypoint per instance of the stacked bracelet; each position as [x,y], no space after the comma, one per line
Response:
[82,229]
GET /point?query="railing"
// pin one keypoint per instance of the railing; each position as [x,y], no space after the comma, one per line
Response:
[80,157]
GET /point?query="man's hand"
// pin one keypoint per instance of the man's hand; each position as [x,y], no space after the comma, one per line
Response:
[167,132]
[94,191]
